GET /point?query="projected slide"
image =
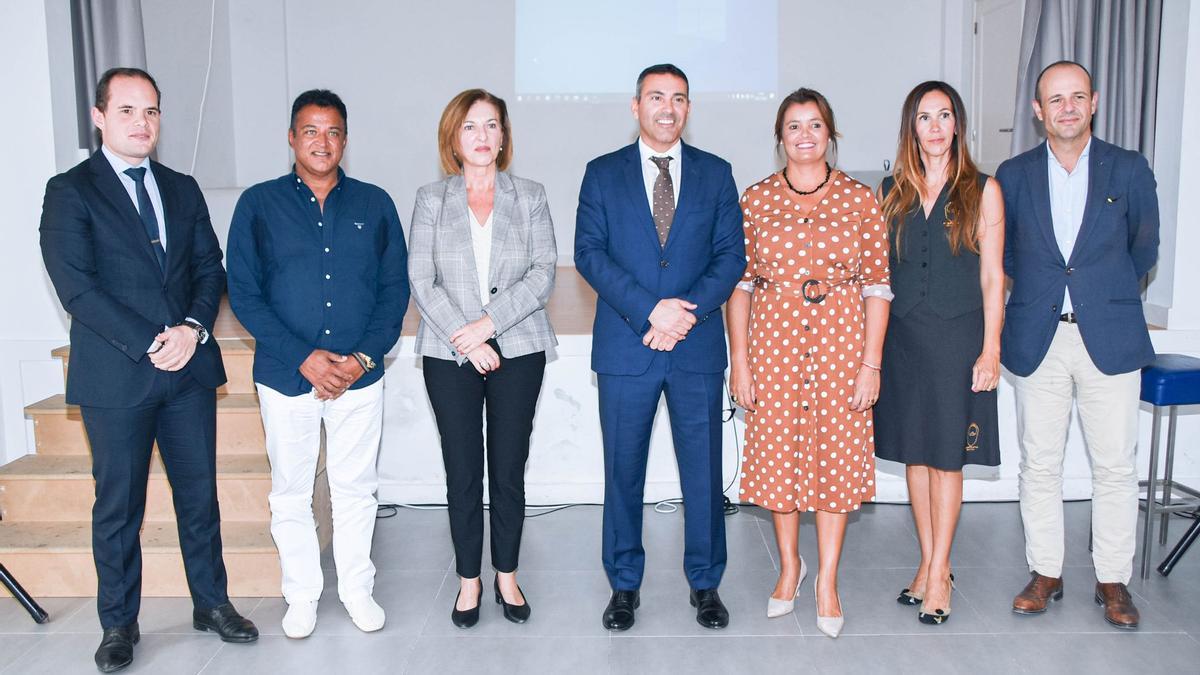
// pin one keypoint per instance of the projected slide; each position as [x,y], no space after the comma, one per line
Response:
[592,51]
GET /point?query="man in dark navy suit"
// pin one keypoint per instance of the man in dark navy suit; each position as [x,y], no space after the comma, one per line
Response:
[658,234]
[1082,232]
[133,257]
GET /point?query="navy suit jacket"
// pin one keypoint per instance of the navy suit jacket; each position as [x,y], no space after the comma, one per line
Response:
[108,279]
[618,253]
[1116,246]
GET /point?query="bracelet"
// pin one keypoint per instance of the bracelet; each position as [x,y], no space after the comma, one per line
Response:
[361,361]
[870,365]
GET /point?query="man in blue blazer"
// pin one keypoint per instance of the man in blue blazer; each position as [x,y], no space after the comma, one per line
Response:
[133,257]
[1082,230]
[658,235]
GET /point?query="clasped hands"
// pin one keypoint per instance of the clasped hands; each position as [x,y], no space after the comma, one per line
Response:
[178,345]
[471,340]
[330,374]
[670,322]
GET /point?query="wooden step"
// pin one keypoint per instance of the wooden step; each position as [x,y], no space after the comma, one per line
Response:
[58,428]
[55,559]
[236,352]
[60,488]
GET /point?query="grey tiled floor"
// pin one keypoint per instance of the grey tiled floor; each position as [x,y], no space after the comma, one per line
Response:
[561,574]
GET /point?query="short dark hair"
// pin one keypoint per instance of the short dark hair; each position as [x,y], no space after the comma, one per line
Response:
[106,79]
[322,98]
[661,69]
[1037,86]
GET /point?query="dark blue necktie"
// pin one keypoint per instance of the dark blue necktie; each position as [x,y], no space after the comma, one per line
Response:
[146,210]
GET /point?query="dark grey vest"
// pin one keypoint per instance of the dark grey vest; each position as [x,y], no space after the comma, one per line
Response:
[923,268]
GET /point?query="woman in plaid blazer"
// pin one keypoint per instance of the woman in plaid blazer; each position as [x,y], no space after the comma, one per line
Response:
[481,267]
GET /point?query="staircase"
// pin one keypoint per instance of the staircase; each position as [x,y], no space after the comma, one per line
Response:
[46,498]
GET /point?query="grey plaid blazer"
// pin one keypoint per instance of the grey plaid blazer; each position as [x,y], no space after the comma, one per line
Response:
[441,266]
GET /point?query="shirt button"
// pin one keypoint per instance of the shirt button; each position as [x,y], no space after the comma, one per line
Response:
[327,249]
[329,304]
[312,199]
[327,331]
[326,276]
[320,224]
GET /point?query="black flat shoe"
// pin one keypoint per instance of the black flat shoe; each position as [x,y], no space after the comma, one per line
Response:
[619,614]
[467,617]
[225,621]
[710,611]
[116,647]
[514,613]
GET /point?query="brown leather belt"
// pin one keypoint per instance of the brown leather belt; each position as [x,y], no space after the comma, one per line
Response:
[812,290]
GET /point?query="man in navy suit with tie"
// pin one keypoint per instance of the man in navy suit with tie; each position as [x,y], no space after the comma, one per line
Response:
[133,257]
[1082,232]
[658,235]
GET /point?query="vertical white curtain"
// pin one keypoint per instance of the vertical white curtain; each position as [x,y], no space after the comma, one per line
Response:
[1117,40]
[106,34]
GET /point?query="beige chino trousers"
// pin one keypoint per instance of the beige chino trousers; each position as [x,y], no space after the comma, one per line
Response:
[1108,413]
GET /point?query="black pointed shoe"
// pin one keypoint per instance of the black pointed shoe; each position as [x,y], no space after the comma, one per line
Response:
[225,621]
[710,611]
[467,617]
[116,647]
[619,613]
[514,613]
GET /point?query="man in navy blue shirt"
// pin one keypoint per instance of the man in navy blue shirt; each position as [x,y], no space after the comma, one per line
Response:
[317,274]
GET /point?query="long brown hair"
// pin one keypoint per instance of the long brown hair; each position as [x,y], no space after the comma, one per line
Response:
[452,120]
[908,172]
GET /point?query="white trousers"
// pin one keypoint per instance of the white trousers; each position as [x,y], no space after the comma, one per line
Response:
[1108,413]
[353,423]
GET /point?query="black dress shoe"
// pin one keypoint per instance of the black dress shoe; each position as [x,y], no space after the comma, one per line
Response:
[225,621]
[514,613]
[116,647]
[467,617]
[710,611]
[619,613]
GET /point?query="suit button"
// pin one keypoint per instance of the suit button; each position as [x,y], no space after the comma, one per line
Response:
[1053,308]
[493,290]
[924,264]
[664,264]
[1070,270]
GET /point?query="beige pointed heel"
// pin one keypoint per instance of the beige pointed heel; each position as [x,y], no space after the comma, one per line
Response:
[777,608]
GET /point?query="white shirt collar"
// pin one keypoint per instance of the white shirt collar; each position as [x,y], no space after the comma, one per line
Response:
[675,151]
[1082,161]
[119,165]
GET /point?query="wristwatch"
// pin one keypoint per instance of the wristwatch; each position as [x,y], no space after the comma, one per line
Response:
[201,331]
[367,363]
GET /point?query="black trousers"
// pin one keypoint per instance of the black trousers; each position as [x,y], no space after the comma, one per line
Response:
[459,395]
[182,416]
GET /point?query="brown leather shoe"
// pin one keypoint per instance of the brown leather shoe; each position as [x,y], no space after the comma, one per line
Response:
[1118,605]
[1037,594]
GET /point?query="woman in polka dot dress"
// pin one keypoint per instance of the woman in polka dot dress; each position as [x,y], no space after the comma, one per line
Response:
[806,328]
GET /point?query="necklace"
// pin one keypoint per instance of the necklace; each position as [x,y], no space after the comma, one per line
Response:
[828,173]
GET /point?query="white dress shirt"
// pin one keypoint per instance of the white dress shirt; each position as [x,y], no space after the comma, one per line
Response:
[119,165]
[481,243]
[1068,197]
[650,169]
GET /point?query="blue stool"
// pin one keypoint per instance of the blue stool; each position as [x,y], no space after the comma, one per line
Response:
[1171,381]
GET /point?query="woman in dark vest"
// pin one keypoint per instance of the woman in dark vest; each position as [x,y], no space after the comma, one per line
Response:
[941,360]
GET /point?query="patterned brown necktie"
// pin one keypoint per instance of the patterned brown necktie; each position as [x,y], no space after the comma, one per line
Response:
[664,199]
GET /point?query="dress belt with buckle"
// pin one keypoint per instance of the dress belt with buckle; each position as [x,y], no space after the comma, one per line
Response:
[812,290]
[1069,317]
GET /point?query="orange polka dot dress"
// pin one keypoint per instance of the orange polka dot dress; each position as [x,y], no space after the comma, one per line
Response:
[805,448]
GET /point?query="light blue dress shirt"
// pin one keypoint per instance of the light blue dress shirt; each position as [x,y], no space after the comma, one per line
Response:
[1068,196]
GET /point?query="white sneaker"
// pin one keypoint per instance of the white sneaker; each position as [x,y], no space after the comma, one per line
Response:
[366,614]
[300,620]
